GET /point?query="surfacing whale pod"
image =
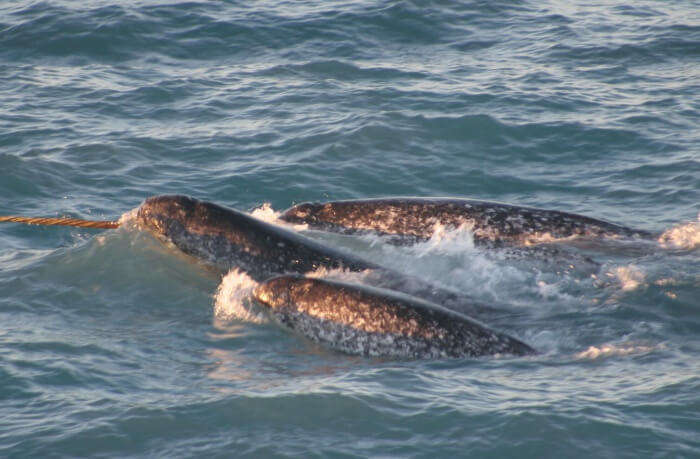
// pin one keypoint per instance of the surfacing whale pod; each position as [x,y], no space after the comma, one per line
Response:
[415,219]
[375,322]
[229,239]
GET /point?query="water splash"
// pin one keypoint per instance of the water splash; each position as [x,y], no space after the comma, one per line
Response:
[614,350]
[509,275]
[232,300]
[449,239]
[630,277]
[266,213]
[683,236]
[128,219]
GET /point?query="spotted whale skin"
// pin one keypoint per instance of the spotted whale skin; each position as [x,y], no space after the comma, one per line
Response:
[415,219]
[374,322]
[231,239]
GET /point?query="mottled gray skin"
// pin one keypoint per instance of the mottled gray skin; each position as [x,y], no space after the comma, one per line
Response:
[374,322]
[414,219]
[231,239]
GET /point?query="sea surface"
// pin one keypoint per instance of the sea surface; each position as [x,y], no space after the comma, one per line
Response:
[113,344]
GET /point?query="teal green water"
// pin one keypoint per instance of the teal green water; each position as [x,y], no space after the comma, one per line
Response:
[114,345]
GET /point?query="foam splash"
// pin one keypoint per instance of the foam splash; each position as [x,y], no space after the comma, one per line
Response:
[128,219]
[462,234]
[683,236]
[448,239]
[501,274]
[266,213]
[450,259]
[233,299]
[614,350]
[630,277]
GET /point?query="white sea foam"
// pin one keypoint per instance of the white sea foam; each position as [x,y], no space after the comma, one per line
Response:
[128,219]
[683,236]
[492,271]
[451,259]
[450,239]
[630,277]
[233,299]
[266,213]
[621,349]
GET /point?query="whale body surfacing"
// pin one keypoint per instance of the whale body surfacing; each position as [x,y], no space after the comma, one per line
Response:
[374,322]
[414,219]
[229,238]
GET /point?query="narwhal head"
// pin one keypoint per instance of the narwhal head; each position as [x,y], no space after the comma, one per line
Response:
[157,213]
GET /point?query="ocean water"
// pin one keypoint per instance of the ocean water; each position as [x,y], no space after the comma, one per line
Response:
[115,345]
